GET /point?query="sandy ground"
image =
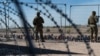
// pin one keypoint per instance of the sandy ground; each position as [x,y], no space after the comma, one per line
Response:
[79,48]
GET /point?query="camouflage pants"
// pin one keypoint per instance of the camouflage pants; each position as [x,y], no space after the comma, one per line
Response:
[94,30]
[39,30]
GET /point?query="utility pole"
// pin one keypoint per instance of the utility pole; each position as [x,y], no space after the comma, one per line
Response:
[5,3]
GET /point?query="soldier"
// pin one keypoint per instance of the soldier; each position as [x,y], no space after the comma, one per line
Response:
[38,23]
[92,22]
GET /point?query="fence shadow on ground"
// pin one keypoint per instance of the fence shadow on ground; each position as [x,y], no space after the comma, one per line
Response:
[6,49]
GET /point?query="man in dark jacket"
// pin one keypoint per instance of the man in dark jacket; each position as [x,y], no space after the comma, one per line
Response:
[38,23]
[92,22]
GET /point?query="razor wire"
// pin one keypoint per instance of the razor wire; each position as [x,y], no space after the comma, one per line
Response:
[17,14]
[17,24]
[11,10]
[14,22]
[72,24]
[18,49]
[45,15]
[23,19]
[14,12]
[18,27]
[48,16]
[66,42]
[53,6]
[5,24]
[68,20]
[51,17]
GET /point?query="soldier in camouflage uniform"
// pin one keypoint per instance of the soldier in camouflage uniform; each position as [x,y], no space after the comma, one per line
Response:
[92,22]
[38,23]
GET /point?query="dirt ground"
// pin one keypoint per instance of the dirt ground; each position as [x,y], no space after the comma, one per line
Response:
[60,48]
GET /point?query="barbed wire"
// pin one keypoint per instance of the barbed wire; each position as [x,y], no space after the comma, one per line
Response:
[10,11]
[4,24]
[48,16]
[42,45]
[59,11]
[13,9]
[12,35]
[29,43]
[24,22]
[44,14]
[69,20]
[53,6]
[66,43]
[17,14]
[10,18]
[14,12]
[18,27]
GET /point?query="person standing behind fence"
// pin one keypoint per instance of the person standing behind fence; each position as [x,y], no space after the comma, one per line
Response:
[38,23]
[92,22]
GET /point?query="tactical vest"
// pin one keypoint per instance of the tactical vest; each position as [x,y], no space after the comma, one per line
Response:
[38,21]
[92,20]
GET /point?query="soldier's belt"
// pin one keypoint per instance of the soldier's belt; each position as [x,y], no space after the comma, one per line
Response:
[92,25]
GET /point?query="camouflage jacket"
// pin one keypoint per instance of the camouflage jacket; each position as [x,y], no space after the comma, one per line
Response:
[38,21]
[92,20]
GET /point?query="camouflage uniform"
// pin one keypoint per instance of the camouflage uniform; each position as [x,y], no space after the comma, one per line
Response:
[92,22]
[38,23]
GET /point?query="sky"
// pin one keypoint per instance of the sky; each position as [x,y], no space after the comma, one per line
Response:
[78,14]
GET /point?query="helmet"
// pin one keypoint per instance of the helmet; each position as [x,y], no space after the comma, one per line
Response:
[93,12]
[38,13]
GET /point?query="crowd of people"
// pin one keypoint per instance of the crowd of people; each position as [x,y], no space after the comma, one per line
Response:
[57,37]
[69,38]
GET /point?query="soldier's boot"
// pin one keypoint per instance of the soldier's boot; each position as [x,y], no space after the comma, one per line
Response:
[42,39]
